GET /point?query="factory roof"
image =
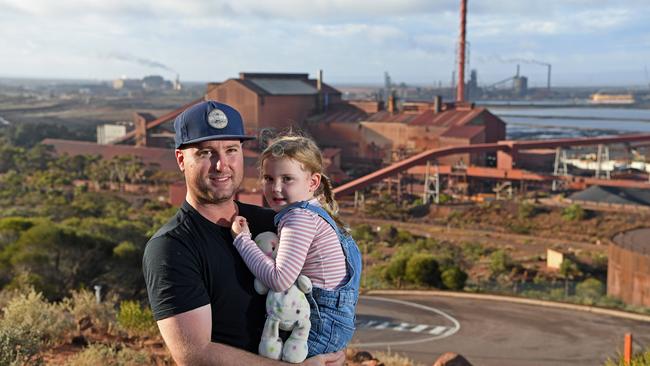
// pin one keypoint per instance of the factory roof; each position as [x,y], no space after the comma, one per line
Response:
[464,132]
[446,118]
[635,240]
[282,84]
[285,86]
[616,195]
[342,112]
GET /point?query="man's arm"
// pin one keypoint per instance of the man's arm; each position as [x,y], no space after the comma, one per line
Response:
[187,336]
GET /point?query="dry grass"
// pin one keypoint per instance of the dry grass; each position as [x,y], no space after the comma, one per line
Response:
[395,359]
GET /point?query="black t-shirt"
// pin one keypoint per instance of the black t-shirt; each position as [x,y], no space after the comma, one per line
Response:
[191,262]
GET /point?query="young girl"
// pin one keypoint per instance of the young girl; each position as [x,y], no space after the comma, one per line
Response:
[313,241]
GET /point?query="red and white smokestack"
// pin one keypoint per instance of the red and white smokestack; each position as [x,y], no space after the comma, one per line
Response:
[460,91]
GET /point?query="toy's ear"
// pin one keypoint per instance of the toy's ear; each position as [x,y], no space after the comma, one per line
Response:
[268,242]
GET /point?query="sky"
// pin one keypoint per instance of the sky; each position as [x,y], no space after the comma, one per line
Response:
[587,42]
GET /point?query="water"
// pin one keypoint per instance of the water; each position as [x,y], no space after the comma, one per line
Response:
[565,122]
[539,103]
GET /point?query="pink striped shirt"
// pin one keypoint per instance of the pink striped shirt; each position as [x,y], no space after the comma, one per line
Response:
[308,245]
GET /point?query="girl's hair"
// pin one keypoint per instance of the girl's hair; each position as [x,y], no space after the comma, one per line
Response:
[305,151]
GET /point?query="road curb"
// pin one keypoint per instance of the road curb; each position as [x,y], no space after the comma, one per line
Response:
[517,300]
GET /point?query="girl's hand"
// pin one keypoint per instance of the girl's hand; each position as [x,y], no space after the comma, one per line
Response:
[239,225]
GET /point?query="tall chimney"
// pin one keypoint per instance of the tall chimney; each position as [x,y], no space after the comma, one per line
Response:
[460,91]
[319,80]
[437,104]
[391,103]
[321,100]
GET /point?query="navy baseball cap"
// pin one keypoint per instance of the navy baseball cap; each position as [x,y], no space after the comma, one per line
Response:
[208,120]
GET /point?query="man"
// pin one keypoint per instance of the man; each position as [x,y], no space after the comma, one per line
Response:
[200,290]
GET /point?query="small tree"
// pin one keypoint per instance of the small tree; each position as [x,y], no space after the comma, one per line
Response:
[422,269]
[396,269]
[590,289]
[500,262]
[454,278]
[574,212]
[568,270]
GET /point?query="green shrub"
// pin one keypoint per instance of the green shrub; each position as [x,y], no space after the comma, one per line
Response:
[526,210]
[135,320]
[519,227]
[444,198]
[500,262]
[385,207]
[11,227]
[590,289]
[638,359]
[611,302]
[15,224]
[363,232]
[557,294]
[422,269]
[454,278]
[574,212]
[395,269]
[19,346]
[388,233]
[100,354]
[599,261]
[126,249]
[31,311]
[569,269]
[83,304]
[404,237]
[473,251]
[454,217]
[374,277]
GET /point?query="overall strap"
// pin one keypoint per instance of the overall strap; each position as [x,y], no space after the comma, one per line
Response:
[315,209]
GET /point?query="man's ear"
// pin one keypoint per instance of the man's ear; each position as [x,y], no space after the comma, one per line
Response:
[314,182]
[180,159]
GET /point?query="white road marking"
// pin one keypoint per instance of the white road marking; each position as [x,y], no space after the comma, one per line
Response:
[437,330]
[370,323]
[383,325]
[419,328]
[402,327]
[451,330]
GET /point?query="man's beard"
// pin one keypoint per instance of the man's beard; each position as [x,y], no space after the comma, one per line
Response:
[206,194]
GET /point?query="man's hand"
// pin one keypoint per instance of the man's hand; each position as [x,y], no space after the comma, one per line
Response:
[328,359]
[239,225]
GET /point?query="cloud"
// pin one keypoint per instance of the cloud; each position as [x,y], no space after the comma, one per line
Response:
[539,27]
[603,19]
[374,33]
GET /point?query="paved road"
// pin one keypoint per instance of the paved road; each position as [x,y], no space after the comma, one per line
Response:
[492,332]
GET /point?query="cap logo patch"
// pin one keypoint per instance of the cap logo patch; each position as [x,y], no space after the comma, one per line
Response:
[217,119]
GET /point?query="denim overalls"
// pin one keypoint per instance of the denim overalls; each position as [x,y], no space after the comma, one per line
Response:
[332,311]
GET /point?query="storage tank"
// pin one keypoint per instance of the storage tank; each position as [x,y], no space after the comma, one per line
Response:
[520,85]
